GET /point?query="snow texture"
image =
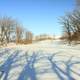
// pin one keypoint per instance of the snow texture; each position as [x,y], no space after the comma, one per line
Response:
[45,60]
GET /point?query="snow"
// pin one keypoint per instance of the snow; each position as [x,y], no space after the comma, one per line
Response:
[45,60]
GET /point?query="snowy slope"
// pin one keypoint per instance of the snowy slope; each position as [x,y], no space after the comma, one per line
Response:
[45,60]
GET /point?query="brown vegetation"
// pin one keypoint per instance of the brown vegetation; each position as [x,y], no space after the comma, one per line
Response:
[43,37]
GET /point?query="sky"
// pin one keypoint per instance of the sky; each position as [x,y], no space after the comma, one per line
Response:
[38,16]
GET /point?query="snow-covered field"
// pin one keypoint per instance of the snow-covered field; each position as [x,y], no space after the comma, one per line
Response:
[45,60]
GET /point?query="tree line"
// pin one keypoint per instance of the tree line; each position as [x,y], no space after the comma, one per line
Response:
[42,37]
[12,31]
[71,24]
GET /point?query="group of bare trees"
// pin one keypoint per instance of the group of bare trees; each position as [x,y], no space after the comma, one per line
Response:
[44,37]
[10,30]
[71,25]
[7,26]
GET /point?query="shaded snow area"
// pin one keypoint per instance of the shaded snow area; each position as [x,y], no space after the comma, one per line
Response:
[45,60]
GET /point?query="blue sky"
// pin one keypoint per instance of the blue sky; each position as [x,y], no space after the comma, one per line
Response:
[38,16]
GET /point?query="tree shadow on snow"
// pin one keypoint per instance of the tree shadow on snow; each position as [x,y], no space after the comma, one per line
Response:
[7,65]
[29,71]
[60,72]
[4,51]
[69,64]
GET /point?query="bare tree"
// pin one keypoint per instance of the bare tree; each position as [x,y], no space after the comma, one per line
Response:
[75,23]
[67,28]
[19,32]
[71,26]
[77,3]
[29,37]
[7,25]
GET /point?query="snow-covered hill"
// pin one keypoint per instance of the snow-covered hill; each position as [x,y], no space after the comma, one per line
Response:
[45,60]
